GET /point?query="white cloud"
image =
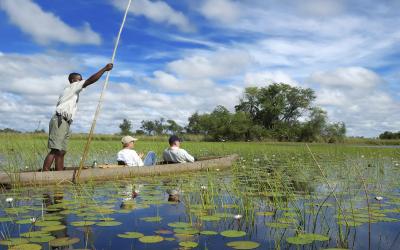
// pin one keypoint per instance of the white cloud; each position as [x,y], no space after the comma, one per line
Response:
[45,27]
[224,11]
[267,78]
[157,11]
[352,95]
[351,77]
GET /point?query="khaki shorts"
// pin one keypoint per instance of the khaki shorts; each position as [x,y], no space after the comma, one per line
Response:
[58,135]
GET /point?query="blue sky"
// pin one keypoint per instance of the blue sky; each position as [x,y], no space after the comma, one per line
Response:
[178,57]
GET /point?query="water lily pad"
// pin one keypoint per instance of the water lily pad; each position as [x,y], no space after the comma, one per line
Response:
[26,247]
[54,228]
[179,224]
[208,232]
[169,238]
[163,231]
[42,239]
[151,219]
[210,218]
[242,245]
[130,235]
[151,239]
[22,222]
[233,233]
[82,223]
[62,242]
[53,217]
[298,240]
[34,234]
[47,223]
[5,219]
[108,223]
[13,241]
[188,244]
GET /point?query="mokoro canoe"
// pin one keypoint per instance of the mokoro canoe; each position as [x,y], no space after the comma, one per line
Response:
[112,172]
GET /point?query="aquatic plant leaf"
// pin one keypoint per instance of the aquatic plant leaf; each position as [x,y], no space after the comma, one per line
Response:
[151,219]
[5,219]
[130,235]
[151,239]
[233,233]
[298,240]
[47,223]
[53,217]
[210,218]
[62,242]
[53,228]
[26,247]
[108,223]
[35,234]
[243,245]
[179,224]
[13,241]
[208,232]
[314,237]
[42,239]
[188,244]
[169,238]
[82,223]
[163,231]
[22,222]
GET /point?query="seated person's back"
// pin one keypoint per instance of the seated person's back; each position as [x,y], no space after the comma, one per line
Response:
[176,154]
[127,155]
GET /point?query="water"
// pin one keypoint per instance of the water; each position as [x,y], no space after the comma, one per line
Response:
[272,195]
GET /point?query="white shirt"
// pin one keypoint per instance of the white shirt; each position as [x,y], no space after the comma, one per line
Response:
[175,154]
[68,101]
[130,157]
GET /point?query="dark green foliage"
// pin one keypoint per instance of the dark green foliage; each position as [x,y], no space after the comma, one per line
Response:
[125,127]
[273,112]
[9,130]
[390,135]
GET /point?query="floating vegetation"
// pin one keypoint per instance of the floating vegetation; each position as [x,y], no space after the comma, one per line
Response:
[62,242]
[208,232]
[108,223]
[302,239]
[151,239]
[242,245]
[269,202]
[131,235]
[233,233]
[28,246]
[151,219]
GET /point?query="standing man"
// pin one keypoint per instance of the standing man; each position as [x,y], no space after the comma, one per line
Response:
[59,126]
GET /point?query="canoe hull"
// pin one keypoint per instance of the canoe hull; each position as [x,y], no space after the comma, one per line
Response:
[95,174]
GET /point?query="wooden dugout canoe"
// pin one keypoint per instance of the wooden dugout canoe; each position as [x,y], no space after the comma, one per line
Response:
[112,172]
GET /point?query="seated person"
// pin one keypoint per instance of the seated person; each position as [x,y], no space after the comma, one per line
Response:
[174,153]
[128,156]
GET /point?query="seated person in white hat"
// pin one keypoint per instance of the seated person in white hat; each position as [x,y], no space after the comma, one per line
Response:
[174,153]
[128,156]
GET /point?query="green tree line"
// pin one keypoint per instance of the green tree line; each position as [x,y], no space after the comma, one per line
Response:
[390,135]
[278,111]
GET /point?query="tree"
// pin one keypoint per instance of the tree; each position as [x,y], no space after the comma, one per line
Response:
[125,127]
[173,128]
[314,127]
[389,135]
[276,104]
[148,127]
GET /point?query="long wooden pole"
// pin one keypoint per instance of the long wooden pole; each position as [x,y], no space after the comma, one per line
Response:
[86,150]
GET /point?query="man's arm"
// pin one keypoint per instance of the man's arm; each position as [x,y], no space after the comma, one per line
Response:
[188,157]
[97,76]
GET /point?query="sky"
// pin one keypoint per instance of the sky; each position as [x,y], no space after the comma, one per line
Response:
[179,57]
